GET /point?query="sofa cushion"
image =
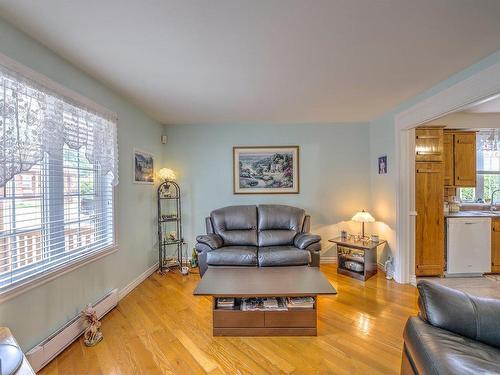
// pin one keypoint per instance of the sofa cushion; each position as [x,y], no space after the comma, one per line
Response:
[278,224]
[237,225]
[436,351]
[233,256]
[270,256]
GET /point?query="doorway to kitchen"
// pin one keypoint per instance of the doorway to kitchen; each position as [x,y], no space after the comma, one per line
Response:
[480,88]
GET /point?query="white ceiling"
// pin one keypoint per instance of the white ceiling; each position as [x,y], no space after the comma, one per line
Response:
[491,105]
[276,61]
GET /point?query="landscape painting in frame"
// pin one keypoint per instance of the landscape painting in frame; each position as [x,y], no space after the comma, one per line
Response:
[143,167]
[266,170]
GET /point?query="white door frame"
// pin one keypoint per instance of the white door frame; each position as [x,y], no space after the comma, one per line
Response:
[477,87]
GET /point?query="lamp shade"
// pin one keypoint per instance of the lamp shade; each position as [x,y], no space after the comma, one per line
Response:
[166,174]
[363,217]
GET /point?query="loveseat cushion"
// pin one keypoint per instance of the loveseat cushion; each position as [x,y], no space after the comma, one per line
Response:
[279,224]
[270,256]
[436,351]
[237,225]
[233,256]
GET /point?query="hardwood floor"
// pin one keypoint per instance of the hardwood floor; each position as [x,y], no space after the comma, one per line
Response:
[161,328]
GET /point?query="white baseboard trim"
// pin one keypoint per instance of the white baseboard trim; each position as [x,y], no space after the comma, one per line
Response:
[413,280]
[328,260]
[139,279]
[49,348]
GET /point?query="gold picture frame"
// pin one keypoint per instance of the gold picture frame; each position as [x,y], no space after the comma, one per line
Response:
[266,170]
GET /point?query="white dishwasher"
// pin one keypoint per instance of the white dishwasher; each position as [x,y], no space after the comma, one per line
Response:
[468,245]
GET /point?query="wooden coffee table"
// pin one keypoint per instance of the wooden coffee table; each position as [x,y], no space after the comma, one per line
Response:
[242,282]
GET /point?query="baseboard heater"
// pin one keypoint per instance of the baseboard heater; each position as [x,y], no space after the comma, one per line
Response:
[48,349]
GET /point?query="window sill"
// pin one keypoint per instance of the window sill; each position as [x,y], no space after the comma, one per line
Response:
[43,279]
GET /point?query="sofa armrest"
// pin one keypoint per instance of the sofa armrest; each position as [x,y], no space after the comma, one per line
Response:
[304,240]
[458,312]
[213,240]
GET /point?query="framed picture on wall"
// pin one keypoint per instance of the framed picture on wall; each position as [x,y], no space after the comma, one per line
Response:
[382,164]
[143,167]
[266,169]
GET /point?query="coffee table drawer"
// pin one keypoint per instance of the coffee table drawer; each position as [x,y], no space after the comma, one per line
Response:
[238,318]
[290,318]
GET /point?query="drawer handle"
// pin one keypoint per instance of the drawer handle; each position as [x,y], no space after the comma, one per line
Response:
[428,153]
[428,137]
[427,171]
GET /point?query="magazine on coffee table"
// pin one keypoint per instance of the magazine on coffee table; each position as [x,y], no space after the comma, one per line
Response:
[225,303]
[300,302]
[263,304]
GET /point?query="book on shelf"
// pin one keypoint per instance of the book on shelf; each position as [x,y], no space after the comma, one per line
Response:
[300,302]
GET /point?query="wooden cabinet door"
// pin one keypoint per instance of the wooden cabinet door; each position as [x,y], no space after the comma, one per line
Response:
[428,144]
[448,159]
[465,159]
[429,236]
[495,245]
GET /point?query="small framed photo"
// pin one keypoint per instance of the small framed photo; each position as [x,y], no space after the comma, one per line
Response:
[382,164]
[143,167]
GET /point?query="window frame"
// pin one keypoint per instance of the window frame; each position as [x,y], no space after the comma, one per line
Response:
[56,270]
[478,172]
[74,97]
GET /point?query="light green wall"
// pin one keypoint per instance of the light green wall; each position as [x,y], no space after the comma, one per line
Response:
[38,312]
[338,176]
[382,142]
[334,174]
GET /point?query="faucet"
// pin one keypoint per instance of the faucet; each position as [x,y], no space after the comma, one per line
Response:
[492,206]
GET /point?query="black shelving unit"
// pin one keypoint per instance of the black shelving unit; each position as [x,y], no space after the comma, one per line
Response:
[169,221]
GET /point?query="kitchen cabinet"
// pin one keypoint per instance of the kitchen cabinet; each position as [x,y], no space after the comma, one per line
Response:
[464,155]
[459,157]
[495,245]
[429,144]
[429,234]
[449,176]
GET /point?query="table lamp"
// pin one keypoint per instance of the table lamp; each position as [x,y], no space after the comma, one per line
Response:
[363,217]
[166,174]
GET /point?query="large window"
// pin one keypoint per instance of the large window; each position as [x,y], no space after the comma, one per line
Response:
[488,169]
[57,172]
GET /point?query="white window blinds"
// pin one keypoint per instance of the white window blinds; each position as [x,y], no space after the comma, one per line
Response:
[58,165]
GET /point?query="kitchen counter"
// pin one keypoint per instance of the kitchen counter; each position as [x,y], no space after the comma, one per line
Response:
[473,214]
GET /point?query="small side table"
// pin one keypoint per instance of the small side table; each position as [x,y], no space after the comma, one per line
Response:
[357,259]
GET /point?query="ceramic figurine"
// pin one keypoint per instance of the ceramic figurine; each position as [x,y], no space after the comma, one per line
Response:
[92,335]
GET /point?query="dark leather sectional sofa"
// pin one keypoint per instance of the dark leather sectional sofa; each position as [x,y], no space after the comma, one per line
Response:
[263,236]
[455,333]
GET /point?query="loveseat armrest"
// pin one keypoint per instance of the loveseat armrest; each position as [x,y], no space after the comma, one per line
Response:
[214,241]
[304,240]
